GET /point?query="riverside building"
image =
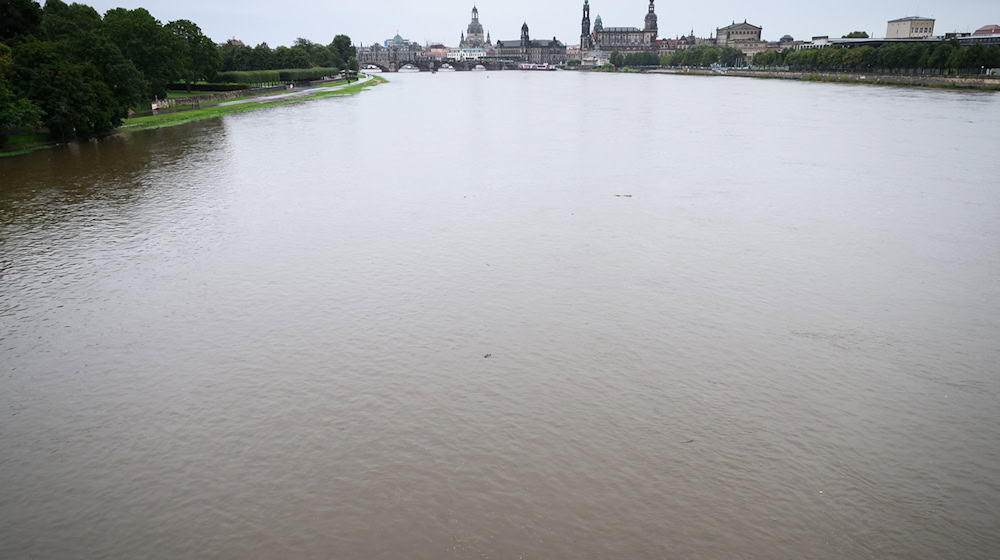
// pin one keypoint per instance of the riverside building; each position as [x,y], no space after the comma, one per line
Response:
[745,37]
[910,28]
[530,50]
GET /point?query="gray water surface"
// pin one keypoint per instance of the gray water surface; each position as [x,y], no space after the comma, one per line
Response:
[263,336]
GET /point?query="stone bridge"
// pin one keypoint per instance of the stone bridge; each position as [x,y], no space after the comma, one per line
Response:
[426,64]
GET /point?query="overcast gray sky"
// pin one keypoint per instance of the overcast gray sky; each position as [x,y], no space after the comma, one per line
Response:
[280,22]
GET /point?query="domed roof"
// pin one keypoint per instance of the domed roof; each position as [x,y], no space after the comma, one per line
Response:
[787,39]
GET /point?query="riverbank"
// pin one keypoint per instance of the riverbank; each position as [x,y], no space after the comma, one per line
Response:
[247,104]
[943,82]
[25,144]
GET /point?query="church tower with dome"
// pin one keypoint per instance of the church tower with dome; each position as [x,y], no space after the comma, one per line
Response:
[474,38]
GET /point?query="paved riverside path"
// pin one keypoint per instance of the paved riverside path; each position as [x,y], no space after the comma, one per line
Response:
[294,94]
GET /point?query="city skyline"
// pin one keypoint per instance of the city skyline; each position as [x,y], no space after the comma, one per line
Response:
[254,21]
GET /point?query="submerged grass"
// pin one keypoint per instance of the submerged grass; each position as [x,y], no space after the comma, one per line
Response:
[21,144]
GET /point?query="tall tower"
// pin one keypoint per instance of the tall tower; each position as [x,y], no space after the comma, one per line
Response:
[650,32]
[585,27]
[525,42]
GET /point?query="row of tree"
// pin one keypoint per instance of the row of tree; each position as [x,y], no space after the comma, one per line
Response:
[704,55]
[634,59]
[303,54]
[948,56]
[66,68]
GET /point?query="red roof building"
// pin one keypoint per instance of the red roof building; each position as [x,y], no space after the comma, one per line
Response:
[988,30]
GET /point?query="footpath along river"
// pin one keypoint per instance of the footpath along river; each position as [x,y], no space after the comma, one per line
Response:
[511,315]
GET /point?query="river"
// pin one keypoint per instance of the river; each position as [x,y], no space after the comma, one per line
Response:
[511,315]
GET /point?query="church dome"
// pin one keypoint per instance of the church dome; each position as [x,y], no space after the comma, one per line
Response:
[475,28]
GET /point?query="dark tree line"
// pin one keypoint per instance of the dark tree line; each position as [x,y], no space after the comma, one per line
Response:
[66,68]
[948,56]
[303,54]
[704,55]
[634,59]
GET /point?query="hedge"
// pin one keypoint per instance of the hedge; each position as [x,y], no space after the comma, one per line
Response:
[208,87]
[257,77]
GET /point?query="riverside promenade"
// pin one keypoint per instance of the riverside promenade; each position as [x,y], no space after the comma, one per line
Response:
[363,78]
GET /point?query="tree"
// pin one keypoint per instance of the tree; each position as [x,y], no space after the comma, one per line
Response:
[709,56]
[15,112]
[77,29]
[262,58]
[199,58]
[75,101]
[729,56]
[18,19]
[767,58]
[617,60]
[143,40]
[342,50]
[856,35]
[296,57]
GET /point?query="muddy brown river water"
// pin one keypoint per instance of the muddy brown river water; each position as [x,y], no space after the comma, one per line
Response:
[265,336]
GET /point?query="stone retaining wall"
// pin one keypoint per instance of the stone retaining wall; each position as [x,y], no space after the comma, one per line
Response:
[970,82]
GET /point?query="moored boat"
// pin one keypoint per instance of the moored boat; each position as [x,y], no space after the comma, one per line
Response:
[536,67]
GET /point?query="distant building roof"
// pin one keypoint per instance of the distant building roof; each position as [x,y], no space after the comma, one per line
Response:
[533,43]
[988,30]
[911,18]
[736,25]
[621,29]
[873,42]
